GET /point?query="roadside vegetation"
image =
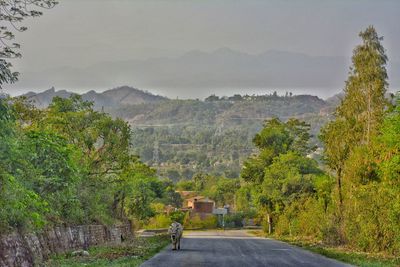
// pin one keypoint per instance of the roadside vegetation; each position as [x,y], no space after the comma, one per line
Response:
[345,254]
[130,253]
[352,199]
[69,164]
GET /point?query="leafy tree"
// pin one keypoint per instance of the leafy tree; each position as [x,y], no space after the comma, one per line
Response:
[186,185]
[289,178]
[20,206]
[371,211]
[359,115]
[244,198]
[274,139]
[222,191]
[57,176]
[103,140]
[138,198]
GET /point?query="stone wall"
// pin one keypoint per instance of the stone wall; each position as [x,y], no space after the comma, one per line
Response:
[22,250]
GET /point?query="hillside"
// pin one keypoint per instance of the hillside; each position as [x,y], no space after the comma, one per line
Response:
[182,137]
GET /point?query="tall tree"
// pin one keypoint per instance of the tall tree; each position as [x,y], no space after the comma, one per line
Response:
[361,111]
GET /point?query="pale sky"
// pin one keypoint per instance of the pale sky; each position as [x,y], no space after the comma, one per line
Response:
[79,34]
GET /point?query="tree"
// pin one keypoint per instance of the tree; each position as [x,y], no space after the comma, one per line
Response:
[276,138]
[14,12]
[361,111]
[20,206]
[103,140]
[212,98]
[364,103]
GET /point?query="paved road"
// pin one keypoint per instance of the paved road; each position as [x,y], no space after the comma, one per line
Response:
[235,248]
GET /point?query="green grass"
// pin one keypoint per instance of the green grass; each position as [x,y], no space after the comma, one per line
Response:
[345,254]
[131,253]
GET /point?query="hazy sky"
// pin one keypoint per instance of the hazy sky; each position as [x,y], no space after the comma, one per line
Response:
[82,33]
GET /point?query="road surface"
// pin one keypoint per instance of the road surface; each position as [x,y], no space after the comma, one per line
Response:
[235,248]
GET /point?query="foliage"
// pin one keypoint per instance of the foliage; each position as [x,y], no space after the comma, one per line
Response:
[358,205]
[361,111]
[20,205]
[365,156]
[342,254]
[69,164]
[234,219]
[213,137]
[281,175]
[185,185]
[177,216]
[159,221]
[196,222]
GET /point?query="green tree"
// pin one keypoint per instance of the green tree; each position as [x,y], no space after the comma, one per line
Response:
[361,111]
[20,206]
[276,138]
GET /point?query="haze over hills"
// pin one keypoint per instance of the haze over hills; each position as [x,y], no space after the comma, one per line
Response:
[193,74]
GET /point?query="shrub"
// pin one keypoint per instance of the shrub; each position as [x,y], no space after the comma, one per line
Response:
[210,222]
[196,221]
[234,219]
[159,221]
[178,216]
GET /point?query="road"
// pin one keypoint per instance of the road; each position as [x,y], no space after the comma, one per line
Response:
[235,248]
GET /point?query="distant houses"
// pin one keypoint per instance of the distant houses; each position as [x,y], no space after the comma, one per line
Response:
[200,205]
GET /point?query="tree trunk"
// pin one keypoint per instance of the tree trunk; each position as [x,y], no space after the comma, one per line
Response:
[339,186]
[269,224]
[369,116]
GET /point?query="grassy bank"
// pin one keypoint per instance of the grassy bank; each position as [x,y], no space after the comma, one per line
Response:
[339,253]
[131,253]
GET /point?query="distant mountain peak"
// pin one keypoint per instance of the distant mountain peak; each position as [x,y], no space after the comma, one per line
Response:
[51,90]
[226,50]
[123,95]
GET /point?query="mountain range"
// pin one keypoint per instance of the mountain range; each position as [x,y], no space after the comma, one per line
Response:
[195,73]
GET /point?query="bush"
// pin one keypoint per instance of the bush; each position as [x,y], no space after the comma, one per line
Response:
[209,222]
[159,221]
[234,219]
[178,216]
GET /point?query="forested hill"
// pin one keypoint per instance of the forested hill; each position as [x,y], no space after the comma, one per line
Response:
[112,98]
[183,137]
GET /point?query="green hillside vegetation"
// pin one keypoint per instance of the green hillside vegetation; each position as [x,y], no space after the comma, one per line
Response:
[183,137]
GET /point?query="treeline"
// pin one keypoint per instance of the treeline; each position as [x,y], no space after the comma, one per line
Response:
[69,164]
[246,97]
[354,198]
